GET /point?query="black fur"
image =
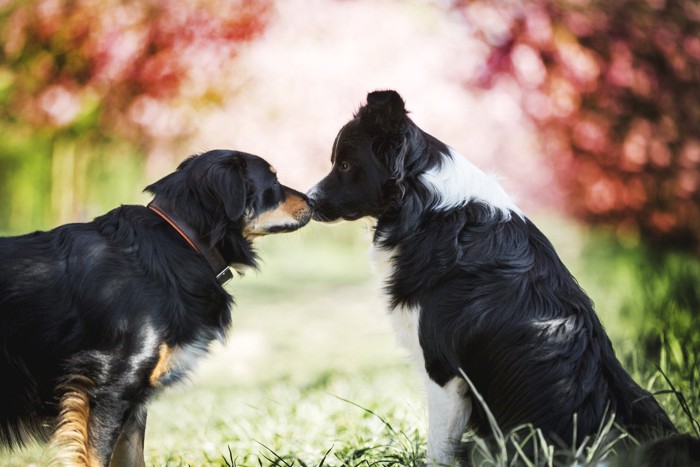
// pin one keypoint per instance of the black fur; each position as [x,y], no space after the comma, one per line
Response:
[498,303]
[86,307]
[495,299]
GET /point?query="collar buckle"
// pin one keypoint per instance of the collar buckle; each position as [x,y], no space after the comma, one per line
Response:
[224,276]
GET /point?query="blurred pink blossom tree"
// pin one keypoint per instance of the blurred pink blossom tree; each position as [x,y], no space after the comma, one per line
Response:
[78,73]
[613,87]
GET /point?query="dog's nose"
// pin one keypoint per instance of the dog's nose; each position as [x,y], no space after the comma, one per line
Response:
[311,202]
[312,194]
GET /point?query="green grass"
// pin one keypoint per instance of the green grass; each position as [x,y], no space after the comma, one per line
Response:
[311,375]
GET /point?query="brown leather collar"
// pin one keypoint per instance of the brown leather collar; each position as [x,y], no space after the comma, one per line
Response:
[212,255]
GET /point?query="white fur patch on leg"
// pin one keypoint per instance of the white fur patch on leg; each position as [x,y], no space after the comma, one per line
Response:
[449,406]
[449,410]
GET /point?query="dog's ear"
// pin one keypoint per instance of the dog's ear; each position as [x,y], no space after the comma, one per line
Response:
[226,186]
[226,183]
[171,184]
[385,115]
[385,111]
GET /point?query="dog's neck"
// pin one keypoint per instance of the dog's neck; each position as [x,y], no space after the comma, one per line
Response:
[211,254]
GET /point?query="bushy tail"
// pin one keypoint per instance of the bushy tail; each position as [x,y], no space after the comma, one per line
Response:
[672,451]
[611,443]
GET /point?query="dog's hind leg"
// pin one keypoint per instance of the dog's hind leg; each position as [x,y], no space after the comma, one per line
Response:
[71,442]
[114,416]
[128,451]
[449,410]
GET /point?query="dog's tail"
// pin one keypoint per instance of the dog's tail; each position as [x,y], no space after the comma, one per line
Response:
[671,451]
[16,433]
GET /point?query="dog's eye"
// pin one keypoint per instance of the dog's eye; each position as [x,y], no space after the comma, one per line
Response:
[344,166]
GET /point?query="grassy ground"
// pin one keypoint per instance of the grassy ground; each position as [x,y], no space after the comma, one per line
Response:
[311,375]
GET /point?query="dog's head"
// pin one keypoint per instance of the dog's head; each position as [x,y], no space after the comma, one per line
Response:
[371,156]
[224,194]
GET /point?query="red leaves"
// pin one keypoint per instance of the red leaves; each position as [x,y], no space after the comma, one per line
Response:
[68,53]
[619,93]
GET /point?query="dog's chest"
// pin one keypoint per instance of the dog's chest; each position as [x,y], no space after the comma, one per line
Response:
[405,320]
[177,362]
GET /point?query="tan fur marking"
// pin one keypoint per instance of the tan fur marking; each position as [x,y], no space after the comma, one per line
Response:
[71,440]
[294,204]
[289,212]
[264,221]
[163,366]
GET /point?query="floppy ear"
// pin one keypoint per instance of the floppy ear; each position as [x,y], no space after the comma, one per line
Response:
[385,111]
[226,183]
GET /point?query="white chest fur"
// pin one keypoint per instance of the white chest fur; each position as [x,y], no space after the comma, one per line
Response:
[404,320]
[177,362]
[448,407]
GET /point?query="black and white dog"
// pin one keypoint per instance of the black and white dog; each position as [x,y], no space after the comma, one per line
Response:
[475,287]
[95,318]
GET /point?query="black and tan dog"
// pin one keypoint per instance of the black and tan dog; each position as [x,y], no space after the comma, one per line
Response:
[96,317]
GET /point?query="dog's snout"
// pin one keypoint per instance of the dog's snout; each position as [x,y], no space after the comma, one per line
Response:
[310,201]
[313,194]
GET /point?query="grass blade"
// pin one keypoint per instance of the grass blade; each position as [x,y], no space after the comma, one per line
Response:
[498,434]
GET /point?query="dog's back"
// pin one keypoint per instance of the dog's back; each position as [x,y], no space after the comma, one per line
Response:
[45,303]
[536,345]
[509,314]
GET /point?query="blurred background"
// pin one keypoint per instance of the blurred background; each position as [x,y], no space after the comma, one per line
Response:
[587,109]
